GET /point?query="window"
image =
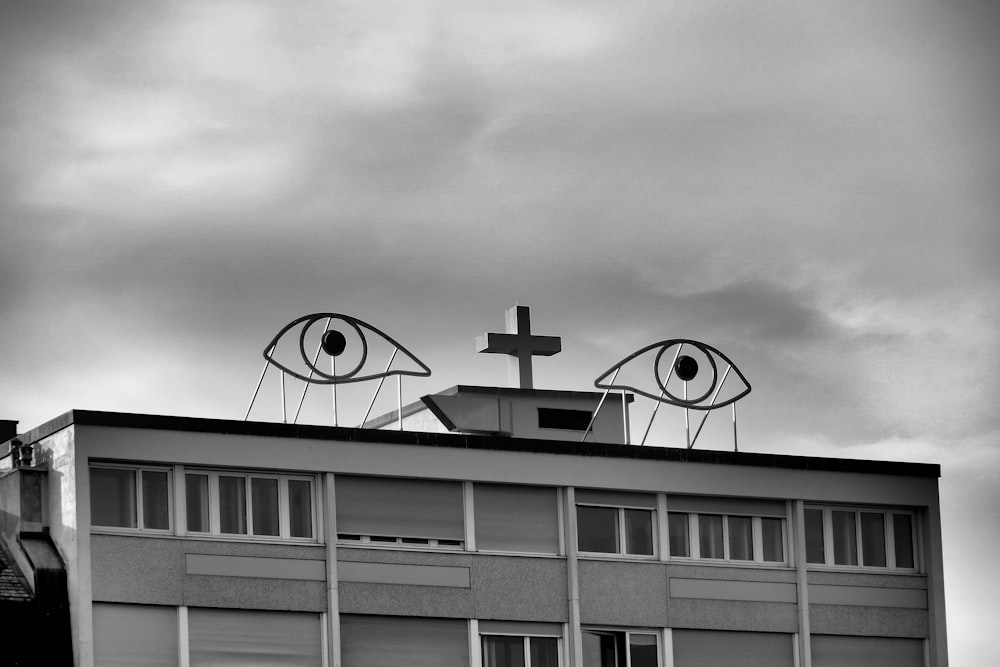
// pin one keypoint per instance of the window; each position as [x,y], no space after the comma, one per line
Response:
[710,648]
[252,637]
[378,641]
[392,511]
[846,537]
[750,539]
[608,648]
[255,505]
[130,497]
[516,518]
[126,635]
[514,651]
[607,524]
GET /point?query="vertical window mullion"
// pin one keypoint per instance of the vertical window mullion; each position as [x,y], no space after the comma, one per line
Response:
[695,535]
[859,539]
[525,644]
[140,520]
[757,536]
[622,539]
[725,537]
[248,495]
[828,536]
[213,503]
[283,514]
[890,539]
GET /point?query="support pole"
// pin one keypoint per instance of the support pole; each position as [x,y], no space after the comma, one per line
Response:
[379,387]
[600,404]
[255,391]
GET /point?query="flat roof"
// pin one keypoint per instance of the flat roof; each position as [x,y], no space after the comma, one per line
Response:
[467,441]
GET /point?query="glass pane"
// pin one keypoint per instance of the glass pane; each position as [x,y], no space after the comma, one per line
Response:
[873,539]
[599,649]
[112,497]
[642,650]
[597,529]
[639,532]
[710,535]
[264,499]
[677,527]
[770,529]
[300,508]
[815,550]
[155,500]
[232,505]
[902,533]
[196,499]
[503,651]
[544,651]
[845,538]
[740,538]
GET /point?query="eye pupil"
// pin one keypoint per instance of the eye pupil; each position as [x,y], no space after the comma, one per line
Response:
[334,343]
[686,368]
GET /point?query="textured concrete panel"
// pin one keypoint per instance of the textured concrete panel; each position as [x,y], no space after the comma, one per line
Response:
[395,573]
[254,593]
[619,593]
[719,589]
[137,569]
[400,600]
[874,580]
[520,588]
[695,571]
[864,596]
[733,615]
[867,621]
[264,568]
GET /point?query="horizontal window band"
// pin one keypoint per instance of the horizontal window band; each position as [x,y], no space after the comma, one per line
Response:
[520,628]
[721,505]
[616,498]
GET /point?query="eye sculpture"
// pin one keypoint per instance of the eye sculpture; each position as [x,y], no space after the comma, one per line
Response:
[347,342]
[685,373]
[334,344]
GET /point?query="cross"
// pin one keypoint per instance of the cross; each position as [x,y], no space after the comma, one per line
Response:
[520,345]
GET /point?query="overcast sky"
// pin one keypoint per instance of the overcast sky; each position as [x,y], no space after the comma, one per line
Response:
[811,187]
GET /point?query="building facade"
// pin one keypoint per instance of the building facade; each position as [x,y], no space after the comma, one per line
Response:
[214,542]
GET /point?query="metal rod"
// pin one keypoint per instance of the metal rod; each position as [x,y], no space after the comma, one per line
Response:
[333,372]
[255,391]
[715,395]
[379,387]
[625,417]
[284,414]
[736,446]
[399,399]
[312,371]
[687,416]
[599,405]
[662,392]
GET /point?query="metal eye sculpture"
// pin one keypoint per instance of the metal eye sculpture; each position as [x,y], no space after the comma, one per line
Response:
[690,380]
[340,334]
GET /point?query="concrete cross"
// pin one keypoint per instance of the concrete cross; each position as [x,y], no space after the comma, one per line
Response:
[520,345]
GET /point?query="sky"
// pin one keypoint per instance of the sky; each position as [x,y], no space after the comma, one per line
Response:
[810,187]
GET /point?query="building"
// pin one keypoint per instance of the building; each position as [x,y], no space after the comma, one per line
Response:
[508,542]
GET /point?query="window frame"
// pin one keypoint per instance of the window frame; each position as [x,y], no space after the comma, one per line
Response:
[756,536]
[284,519]
[888,532]
[626,634]
[137,499]
[526,644]
[621,533]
